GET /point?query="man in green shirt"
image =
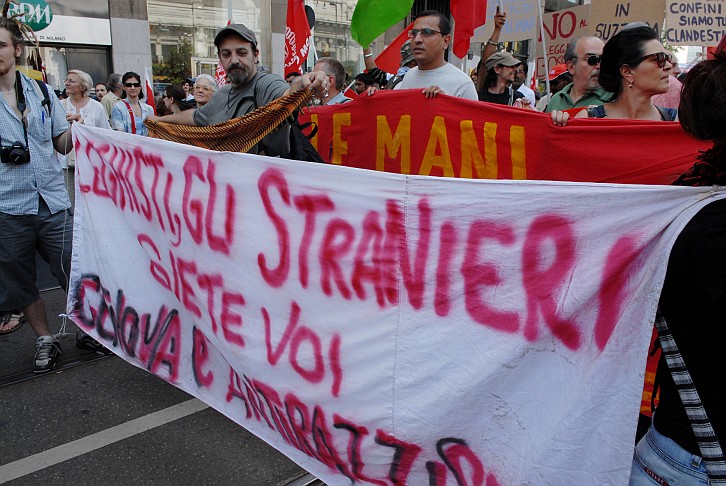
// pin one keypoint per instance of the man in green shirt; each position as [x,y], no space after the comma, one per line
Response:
[582,58]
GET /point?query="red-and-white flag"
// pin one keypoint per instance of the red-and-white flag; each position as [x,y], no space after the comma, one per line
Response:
[219,75]
[297,33]
[149,88]
[468,15]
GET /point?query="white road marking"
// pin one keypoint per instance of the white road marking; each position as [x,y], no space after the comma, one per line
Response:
[70,450]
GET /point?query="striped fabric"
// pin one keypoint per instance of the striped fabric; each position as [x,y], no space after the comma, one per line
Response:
[708,443]
[236,135]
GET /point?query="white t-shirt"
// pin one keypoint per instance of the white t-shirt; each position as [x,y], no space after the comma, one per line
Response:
[93,114]
[528,93]
[453,81]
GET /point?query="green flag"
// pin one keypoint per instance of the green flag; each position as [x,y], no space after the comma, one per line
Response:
[371,18]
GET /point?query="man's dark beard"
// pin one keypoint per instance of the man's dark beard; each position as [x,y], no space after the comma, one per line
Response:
[237,74]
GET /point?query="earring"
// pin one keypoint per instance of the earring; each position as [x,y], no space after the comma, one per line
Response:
[630,85]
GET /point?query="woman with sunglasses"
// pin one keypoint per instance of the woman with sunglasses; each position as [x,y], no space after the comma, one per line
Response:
[129,113]
[174,99]
[634,66]
[204,89]
[693,300]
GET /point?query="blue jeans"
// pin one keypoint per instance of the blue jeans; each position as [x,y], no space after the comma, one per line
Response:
[659,460]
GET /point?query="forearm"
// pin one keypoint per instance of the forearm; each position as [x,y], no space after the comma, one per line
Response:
[185,117]
[63,143]
[368,59]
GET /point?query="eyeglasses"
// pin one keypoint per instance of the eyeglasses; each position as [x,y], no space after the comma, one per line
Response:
[593,59]
[132,85]
[660,58]
[424,32]
[165,96]
[206,89]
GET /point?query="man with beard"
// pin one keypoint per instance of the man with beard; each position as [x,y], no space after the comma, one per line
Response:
[582,58]
[249,88]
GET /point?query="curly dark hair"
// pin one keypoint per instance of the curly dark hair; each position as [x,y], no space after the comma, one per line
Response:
[702,113]
[625,47]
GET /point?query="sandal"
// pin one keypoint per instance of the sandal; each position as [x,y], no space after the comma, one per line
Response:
[12,321]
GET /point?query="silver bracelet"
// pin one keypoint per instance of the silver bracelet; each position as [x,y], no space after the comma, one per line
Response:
[491,43]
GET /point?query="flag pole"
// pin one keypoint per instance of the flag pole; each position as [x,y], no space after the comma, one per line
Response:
[544,48]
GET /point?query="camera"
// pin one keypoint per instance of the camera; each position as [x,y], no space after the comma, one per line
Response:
[16,154]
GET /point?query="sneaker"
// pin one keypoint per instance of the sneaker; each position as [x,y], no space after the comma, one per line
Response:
[47,350]
[85,341]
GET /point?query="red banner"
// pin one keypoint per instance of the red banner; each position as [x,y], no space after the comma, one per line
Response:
[404,132]
[297,33]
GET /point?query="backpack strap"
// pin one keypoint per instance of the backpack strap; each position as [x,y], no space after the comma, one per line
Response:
[708,444]
[45,98]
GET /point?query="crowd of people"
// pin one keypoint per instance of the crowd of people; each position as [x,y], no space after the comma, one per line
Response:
[623,78]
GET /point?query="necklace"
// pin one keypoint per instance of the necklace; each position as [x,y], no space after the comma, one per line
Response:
[8,92]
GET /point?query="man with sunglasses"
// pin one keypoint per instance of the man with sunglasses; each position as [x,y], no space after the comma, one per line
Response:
[430,37]
[582,58]
[249,88]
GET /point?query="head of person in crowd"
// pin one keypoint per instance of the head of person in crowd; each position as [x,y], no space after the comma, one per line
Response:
[101,90]
[291,77]
[174,99]
[430,37]
[520,75]
[559,77]
[115,85]
[634,59]
[702,111]
[335,74]
[408,61]
[238,53]
[204,88]
[188,86]
[363,81]
[131,83]
[582,58]
[474,75]
[501,68]
[78,84]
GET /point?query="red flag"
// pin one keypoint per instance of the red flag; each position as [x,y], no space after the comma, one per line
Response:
[350,92]
[389,60]
[468,15]
[297,33]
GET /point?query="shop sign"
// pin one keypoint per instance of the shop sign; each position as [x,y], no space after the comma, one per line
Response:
[36,14]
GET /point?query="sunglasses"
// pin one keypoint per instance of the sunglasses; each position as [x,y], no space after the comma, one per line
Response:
[424,32]
[660,58]
[593,59]
[132,85]
[206,89]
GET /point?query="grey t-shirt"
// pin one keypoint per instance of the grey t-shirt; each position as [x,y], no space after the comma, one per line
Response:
[232,102]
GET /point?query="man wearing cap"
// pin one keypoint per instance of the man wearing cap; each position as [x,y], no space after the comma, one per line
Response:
[249,88]
[430,37]
[501,70]
[559,77]
[582,58]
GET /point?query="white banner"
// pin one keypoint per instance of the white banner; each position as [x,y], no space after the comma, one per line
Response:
[380,328]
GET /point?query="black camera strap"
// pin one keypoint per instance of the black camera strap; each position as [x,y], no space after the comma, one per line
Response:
[20,97]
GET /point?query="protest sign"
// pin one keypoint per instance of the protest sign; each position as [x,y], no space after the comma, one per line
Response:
[699,23]
[608,17]
[380,328]
[561,27]
[403,132]
[522,20]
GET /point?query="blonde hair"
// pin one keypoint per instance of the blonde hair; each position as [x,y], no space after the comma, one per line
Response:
[86,81]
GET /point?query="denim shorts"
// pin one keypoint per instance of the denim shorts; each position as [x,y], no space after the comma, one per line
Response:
[51,235]
[659,460]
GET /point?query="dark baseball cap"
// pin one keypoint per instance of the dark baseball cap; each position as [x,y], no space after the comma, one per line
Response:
[239,29]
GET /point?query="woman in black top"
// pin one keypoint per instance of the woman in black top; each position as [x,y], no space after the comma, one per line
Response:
[693,300]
